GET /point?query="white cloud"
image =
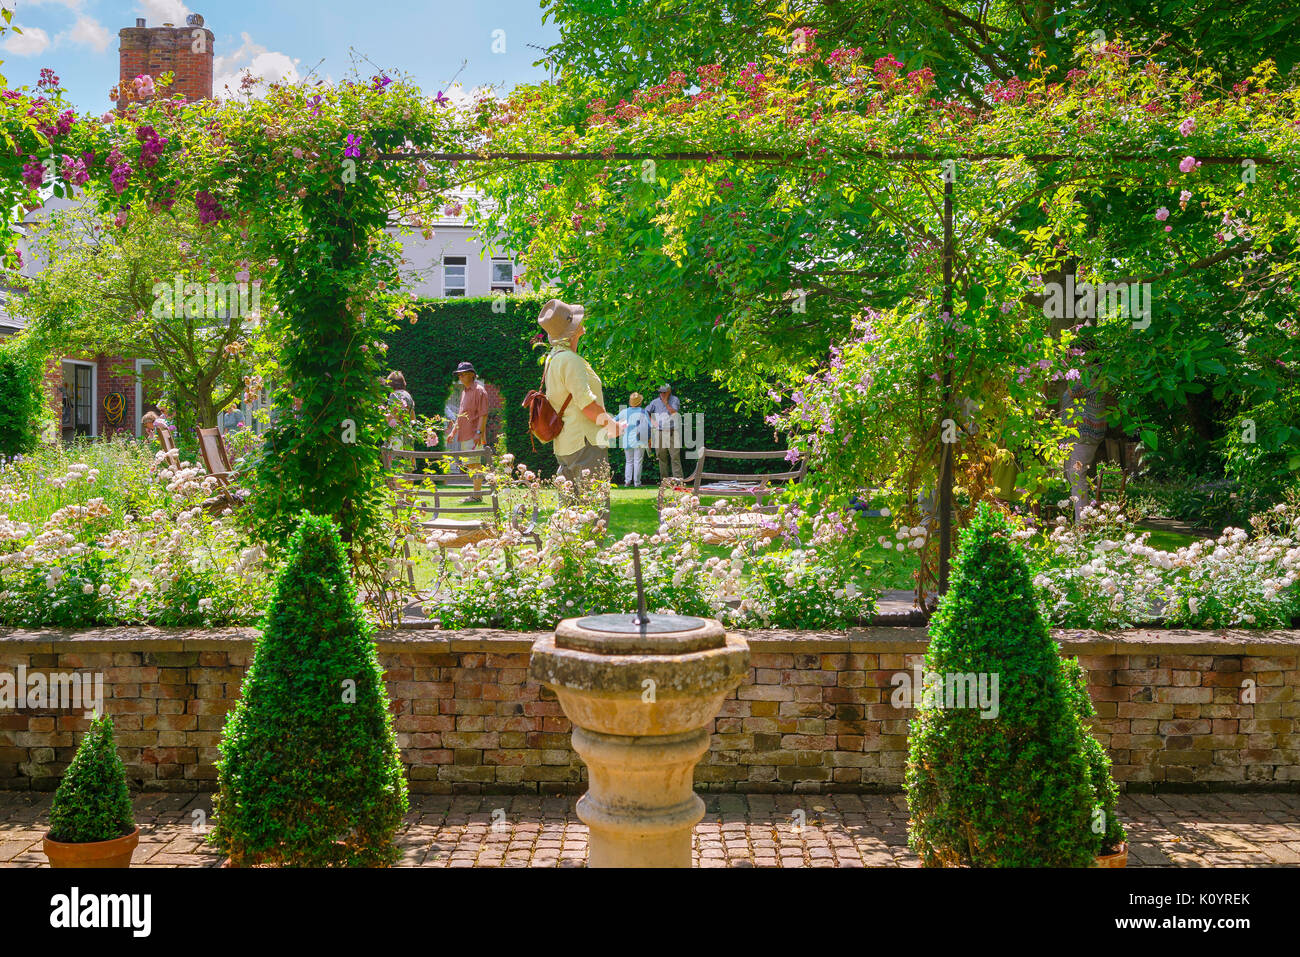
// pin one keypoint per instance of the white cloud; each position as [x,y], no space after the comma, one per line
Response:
[158,12]
[33,41]
[88,32]
[267,65]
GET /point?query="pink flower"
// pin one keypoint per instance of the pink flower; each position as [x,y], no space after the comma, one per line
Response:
[1169,229]
[1162,214]
[1188,164]
[1187,125]
[143,85]
[297,152]
[1184,196]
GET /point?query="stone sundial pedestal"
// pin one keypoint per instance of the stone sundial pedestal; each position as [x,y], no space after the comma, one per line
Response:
[641,691]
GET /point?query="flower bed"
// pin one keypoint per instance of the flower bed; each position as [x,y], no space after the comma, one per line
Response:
[105,532]
[1105,574]
[502,582]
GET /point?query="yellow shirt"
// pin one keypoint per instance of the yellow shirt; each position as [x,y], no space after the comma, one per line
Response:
[568,374]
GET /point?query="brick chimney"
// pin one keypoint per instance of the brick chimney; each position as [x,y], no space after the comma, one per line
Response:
[185,51]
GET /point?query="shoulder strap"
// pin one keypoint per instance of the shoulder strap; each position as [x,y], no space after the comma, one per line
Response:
[542,388]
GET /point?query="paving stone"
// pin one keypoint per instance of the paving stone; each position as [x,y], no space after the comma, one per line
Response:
[1181,830]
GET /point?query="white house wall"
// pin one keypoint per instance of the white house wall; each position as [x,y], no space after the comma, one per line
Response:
[423,272]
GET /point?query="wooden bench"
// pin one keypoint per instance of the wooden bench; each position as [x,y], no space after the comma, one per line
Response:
[727,528]
[439,500]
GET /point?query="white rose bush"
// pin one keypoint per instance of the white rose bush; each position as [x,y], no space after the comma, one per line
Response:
[122,539]
[1104,574]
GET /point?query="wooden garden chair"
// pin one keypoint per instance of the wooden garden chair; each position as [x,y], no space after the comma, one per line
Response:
[171,453]
[728,528]
[216,459]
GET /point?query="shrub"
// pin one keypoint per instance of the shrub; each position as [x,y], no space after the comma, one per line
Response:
[1012,789]
[92,803]
[22,397]
[309,773]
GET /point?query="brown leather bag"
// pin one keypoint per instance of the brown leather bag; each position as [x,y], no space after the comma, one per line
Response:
[544,422]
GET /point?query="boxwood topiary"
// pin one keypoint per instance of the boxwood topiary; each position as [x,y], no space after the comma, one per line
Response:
[1015,789]
[92,803]
[310,774]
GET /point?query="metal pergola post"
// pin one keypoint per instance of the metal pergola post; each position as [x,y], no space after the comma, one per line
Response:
[945,458]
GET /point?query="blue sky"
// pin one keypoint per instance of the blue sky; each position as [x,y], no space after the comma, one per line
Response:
[279,39]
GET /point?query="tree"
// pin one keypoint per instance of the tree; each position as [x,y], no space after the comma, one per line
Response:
[816,202]
[616,49]
[154,285]
[309,773]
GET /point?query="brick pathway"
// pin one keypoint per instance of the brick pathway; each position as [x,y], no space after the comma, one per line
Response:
[839,830]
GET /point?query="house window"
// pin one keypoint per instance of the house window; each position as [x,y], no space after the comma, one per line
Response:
[503,274]
[453,276]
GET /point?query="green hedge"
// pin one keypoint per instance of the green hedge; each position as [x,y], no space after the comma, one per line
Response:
[22,397]
[501,345]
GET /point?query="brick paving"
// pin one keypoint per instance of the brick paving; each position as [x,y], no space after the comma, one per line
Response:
[835,830]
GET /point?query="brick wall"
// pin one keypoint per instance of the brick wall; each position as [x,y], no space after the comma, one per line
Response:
[115,374]
[814,715]
[112,374]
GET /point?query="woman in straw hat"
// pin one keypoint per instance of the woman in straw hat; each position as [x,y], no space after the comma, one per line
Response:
[582,447]
[636,425]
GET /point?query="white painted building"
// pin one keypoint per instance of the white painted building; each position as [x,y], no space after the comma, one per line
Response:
[456,262]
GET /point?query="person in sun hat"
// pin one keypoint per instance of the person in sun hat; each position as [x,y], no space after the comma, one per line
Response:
[666,417]
[470,430]
[637,432]
[582,447]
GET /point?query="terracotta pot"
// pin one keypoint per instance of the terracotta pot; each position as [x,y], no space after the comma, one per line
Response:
[114,853]
[1118,859]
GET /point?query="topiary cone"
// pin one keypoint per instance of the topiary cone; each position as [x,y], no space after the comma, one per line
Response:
[1012,790]
[92,804]
[310,773]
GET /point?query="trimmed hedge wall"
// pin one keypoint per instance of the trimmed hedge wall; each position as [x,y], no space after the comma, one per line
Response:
[22,397]
[506,350]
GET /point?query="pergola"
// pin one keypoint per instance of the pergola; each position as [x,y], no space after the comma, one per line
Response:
[759,156]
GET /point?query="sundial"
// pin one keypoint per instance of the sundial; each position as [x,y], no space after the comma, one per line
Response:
[640,633]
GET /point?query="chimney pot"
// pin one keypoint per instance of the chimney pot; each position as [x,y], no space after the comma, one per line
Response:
[194,20]
[139,21]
